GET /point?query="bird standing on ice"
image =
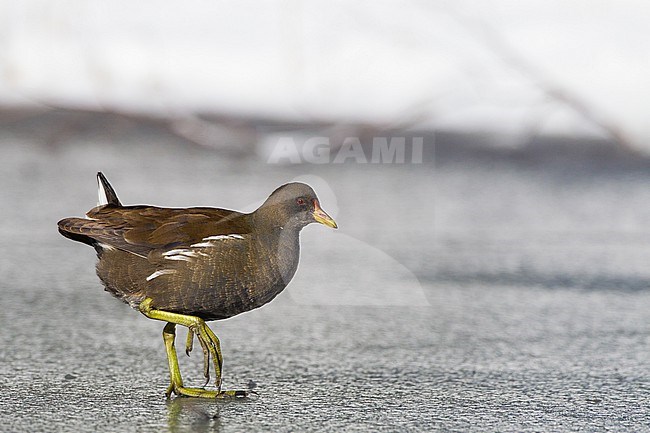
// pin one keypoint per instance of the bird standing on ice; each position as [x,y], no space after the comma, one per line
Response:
[186,266]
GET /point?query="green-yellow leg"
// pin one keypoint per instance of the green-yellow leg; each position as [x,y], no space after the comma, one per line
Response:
[169,335]
[208,340]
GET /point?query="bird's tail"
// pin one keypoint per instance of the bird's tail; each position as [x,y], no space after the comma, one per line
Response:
[105,192]
[78,229]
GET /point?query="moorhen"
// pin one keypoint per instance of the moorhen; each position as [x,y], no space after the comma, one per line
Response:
[186,266]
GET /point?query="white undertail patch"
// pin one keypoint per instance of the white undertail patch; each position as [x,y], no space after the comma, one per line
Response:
[106,246]
[102,199]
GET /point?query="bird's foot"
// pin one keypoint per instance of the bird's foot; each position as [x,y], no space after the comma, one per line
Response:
[208,340]
[182,391]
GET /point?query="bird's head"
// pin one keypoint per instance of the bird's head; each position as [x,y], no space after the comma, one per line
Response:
[294,205]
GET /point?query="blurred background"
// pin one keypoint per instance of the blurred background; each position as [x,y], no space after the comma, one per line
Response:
[496,68]
[487,163]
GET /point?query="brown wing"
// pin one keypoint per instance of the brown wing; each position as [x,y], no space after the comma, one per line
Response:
[142,229]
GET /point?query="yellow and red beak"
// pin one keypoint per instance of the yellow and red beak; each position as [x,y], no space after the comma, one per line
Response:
[321,216]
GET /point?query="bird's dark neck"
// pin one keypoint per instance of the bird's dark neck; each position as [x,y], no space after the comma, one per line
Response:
[284,251]
[279,239]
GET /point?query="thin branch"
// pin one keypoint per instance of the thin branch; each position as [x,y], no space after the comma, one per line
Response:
[509,55]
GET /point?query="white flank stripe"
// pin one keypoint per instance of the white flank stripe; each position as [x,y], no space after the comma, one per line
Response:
[210,240]
[159,273]
[179,257]
[202,245]
[221,237]
[174,252]
[180,254]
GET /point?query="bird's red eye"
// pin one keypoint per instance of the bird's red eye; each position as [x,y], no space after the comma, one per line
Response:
[300,201]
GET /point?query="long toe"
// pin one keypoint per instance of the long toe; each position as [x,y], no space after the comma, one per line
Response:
[204,393]
[206,361]
[211,348]
[189,343]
